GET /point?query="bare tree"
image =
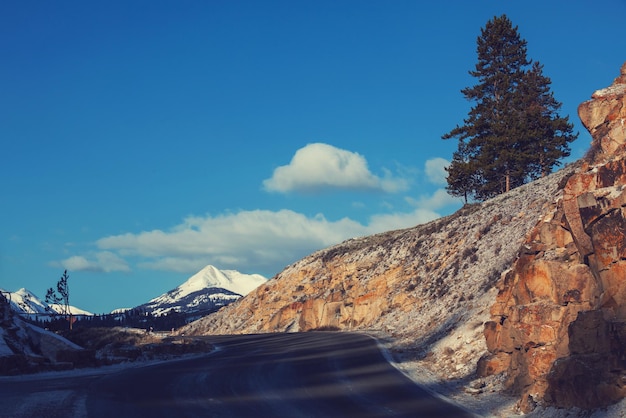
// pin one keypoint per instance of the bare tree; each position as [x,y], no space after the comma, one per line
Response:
[61,297]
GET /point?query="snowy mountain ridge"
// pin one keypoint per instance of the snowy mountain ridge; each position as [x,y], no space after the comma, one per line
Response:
[25,302]
[207,290]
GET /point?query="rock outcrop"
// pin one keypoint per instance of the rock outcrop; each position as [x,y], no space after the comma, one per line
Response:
[558,325]
[26,348]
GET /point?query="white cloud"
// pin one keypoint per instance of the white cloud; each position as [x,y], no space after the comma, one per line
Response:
[175,264]
[252,241]
[318,166]
[388,222]
[435,170]
[264,241]
[440,198]
[77,263]
[104,261]
[436,201]
[257,241]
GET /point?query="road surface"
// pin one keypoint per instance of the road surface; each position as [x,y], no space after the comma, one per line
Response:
[270,375]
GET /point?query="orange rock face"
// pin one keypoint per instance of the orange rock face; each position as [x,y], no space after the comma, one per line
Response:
[559,322]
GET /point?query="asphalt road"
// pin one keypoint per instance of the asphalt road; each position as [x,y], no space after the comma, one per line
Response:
[269,375]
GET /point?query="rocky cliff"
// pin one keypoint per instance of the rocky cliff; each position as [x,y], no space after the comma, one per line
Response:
[558,325]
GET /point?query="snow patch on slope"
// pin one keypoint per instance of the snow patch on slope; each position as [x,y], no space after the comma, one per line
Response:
[4,348]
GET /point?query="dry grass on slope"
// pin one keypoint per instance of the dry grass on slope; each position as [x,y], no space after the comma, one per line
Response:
[118,344]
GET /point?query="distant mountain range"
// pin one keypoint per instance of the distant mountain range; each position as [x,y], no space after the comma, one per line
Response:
[205,291]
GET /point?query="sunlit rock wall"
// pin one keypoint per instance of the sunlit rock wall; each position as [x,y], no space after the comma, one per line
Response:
[559,321]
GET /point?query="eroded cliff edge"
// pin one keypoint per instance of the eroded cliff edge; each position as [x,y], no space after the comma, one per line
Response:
[558,326]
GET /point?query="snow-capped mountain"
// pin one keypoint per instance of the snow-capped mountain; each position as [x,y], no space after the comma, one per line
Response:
[207,290]
[26,303]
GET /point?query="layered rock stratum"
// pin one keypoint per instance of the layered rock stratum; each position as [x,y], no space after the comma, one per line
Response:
[528,288]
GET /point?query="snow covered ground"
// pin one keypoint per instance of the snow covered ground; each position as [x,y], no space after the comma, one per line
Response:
[484,397]
[4,348]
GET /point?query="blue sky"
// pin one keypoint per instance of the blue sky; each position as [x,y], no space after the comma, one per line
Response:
[143,140]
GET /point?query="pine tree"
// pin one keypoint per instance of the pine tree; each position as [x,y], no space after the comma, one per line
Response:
[513,132]
[462,178]
[547,135]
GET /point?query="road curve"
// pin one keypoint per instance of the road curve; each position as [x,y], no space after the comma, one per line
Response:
[318,374]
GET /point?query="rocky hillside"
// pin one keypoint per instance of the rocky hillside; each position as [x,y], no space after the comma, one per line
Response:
[27,348]
[558,325]
[421,281]
[527,288]
[428,288]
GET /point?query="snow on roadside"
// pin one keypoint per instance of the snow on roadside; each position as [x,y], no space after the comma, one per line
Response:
[49,335]
[492,402]
[4,348]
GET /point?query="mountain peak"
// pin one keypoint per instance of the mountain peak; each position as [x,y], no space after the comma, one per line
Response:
[24,292]
[208,289]
[231,280]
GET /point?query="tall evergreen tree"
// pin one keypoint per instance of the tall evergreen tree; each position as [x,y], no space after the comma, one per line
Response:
[513,132]
[547,135]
